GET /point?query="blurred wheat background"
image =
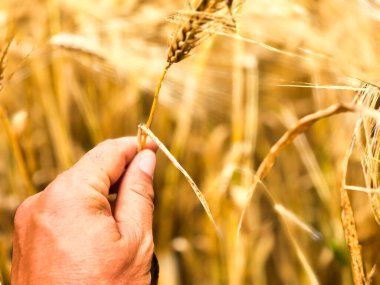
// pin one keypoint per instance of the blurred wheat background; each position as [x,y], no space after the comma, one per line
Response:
[79,72]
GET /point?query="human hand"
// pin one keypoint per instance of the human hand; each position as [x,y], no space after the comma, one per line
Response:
[71,234]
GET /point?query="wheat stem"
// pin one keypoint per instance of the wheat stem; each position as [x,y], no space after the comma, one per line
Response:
[16,149]
[187,36]
[155,98]
[142,137]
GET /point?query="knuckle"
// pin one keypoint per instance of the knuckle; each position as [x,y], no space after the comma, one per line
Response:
[19,217]
[56,195]
[102,151]
[50,193]
[23,211]
[61,181]
[64,181]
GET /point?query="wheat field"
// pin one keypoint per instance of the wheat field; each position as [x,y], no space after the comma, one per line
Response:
[270,106]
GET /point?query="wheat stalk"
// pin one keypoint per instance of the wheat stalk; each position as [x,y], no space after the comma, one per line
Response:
[17,152]
[16,148]
[196,27]
[349,226]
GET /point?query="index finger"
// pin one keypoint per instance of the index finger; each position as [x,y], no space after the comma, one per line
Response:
[104,164]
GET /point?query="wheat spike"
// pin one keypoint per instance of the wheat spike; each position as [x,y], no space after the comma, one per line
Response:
[79,44]
[193,31]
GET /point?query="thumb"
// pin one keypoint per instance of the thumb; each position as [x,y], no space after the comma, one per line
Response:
[134,204]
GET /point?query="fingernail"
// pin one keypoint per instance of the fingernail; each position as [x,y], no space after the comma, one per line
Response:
[147,162]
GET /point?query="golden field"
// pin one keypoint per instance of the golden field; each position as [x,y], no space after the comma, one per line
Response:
[276,121]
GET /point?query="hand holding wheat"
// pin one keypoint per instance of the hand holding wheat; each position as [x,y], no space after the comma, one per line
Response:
[90,240]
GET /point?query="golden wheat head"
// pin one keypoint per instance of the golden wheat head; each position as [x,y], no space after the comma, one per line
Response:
[195,29]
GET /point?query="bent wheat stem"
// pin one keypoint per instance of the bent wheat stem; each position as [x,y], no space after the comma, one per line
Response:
[144,129]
